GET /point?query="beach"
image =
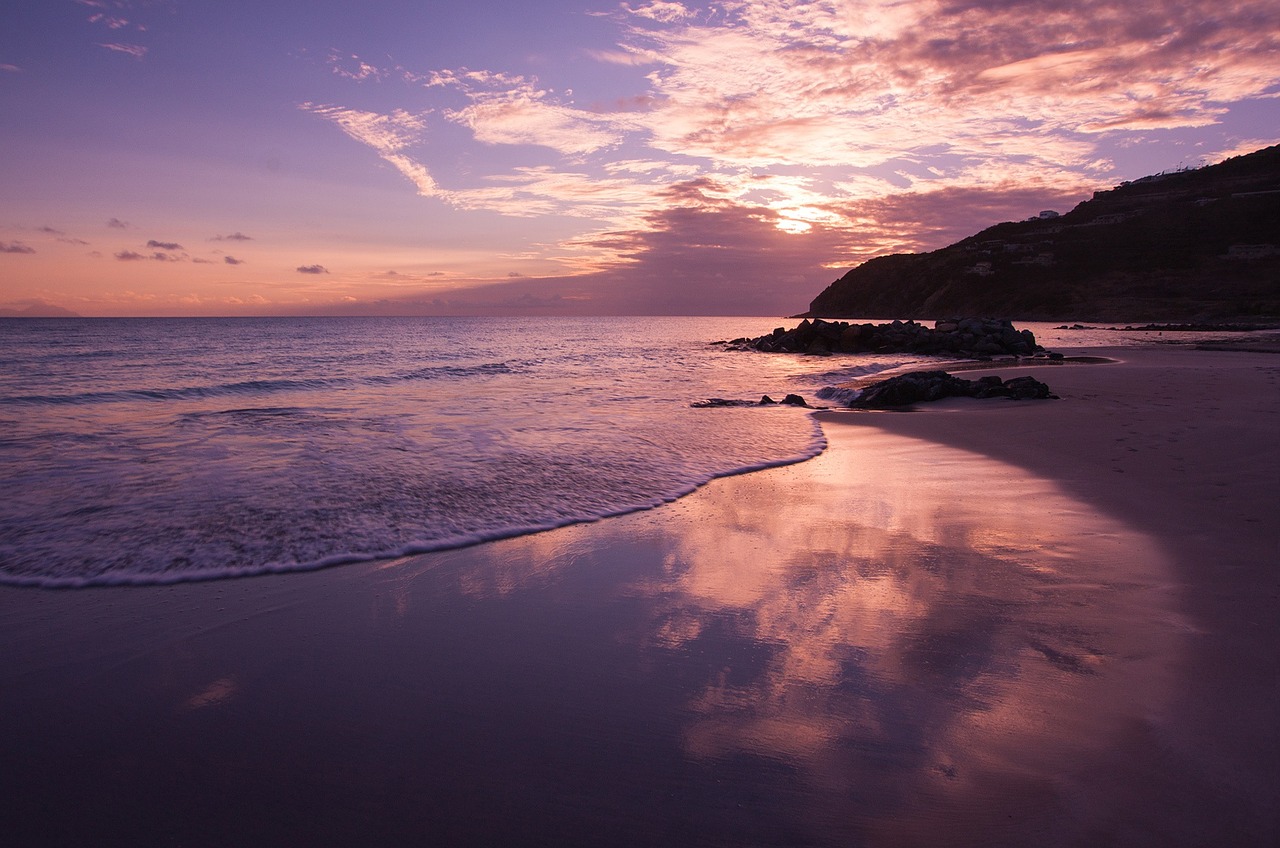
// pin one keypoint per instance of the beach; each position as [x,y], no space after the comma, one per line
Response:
[981,622]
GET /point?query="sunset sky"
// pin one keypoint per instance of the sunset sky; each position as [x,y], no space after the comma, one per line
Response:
[173,157]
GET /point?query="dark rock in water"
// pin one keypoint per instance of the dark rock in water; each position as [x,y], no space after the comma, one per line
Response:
[717,402]
[966,337]
[925,386]
[789,400]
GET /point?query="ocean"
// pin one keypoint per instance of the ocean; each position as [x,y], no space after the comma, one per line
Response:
[139,451]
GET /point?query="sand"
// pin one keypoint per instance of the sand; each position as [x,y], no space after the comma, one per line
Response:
[980,623]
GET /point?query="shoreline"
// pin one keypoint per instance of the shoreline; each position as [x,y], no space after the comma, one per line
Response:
[990,621]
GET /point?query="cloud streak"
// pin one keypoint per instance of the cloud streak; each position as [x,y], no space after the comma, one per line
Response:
[137,51]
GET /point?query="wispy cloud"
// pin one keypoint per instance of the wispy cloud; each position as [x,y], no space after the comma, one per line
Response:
[15,247]
[137,51]
[389,135]
[109,21]
[1241,147]
[312,269]
[231,260]
[826,84]
[529,115]
[154,256]
[659,10]
[164,245]
[351,66]
[117,224]
[236,236]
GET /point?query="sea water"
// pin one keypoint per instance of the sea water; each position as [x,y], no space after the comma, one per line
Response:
[163,450]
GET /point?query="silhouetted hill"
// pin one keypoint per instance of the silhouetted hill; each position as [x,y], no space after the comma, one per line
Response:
[1201,244]
[38,309]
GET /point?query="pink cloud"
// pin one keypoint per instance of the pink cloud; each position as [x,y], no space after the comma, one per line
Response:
[137,51]
[828,132]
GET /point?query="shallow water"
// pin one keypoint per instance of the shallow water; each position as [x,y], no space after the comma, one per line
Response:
[145,451]
[162,450]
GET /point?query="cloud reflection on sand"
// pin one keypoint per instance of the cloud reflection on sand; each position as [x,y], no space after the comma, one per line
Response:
[905,621]
[917,635]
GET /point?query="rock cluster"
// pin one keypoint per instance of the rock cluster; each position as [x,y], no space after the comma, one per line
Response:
[789,400]
[935,385]
[969,337]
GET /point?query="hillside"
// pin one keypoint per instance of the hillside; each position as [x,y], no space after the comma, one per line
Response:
[1201,244]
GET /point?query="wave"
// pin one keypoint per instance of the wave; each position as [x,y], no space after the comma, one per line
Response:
[188,575]
[257,388]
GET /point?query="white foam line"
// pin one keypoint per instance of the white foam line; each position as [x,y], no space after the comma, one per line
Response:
[816,448]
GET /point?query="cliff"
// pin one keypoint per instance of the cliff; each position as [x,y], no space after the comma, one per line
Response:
[1191,245]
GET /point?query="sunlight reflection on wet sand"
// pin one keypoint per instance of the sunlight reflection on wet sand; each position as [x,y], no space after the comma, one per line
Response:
[926,636]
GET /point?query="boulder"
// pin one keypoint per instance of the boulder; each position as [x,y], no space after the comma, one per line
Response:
[924,386]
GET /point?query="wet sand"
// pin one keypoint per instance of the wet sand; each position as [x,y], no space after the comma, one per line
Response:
[1183,445]
[982,623]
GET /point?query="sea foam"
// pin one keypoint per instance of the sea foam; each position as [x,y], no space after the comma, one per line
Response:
[166,451]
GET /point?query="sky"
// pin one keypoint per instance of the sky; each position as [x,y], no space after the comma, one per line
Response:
[297,157]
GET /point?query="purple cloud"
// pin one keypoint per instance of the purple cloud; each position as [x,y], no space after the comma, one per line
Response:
[129,256]
[117,224]
[312,269]
[706,254]
[236,236]
[231,260]
[164,245]
[15,247]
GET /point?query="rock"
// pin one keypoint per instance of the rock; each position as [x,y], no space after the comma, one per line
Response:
[1024,388]
[968,337]
[923,386]
[718,402]
[711,403]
